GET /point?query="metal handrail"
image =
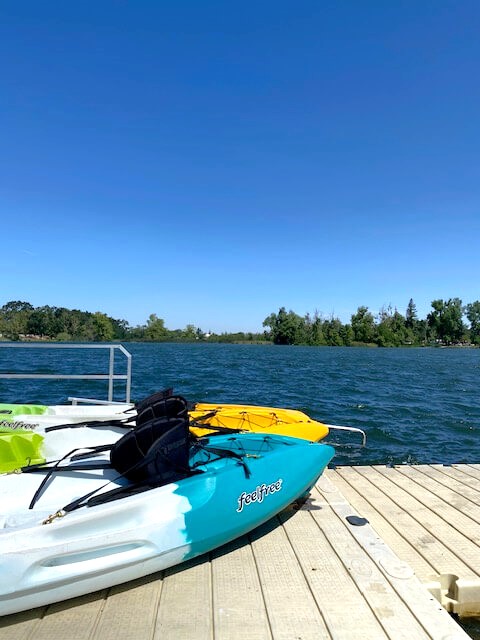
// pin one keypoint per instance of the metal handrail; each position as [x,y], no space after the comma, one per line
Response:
[111,376]
[338,427]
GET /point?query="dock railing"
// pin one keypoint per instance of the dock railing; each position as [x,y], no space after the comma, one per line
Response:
[111,376]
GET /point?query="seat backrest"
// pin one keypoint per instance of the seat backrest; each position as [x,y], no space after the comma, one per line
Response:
[156,452]
[162,404]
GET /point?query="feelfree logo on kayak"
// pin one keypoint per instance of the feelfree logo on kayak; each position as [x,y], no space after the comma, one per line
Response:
[258,494]
[18,424]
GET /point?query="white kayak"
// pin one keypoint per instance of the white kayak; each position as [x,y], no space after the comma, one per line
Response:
[38,417]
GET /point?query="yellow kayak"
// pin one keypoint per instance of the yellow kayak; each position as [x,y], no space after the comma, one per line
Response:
[245,417]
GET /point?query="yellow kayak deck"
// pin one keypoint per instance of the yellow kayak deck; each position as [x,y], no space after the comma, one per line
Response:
[285,422]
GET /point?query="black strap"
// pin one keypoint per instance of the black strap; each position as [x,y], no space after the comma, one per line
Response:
[87,500]
[92,423]
[206,416]
[51,469]
[228,453]
[199,424]
[209,427]
[53,464]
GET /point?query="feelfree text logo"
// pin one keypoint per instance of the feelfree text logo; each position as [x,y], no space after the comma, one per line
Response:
[258,494]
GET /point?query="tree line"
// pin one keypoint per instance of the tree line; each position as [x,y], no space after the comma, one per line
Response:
[449,322]
[445,325]
[22,321]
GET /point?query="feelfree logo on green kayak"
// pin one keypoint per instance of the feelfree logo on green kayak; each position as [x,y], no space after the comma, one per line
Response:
[18,424]
[259,494]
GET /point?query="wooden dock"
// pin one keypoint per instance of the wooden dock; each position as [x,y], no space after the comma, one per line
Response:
[373,554]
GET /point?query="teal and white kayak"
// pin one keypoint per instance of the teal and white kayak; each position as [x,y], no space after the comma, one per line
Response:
[49,553]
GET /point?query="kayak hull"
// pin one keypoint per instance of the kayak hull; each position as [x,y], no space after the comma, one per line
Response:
[114,542]
[286,422]
[38,416]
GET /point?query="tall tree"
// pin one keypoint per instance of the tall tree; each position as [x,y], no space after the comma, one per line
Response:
[363,325]
[446,320]
[332,330]
[155,329]
[286,328]
[391,328]
[14,317]
[411,317]
[473,316]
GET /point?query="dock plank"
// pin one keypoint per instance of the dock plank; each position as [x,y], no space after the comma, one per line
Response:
[427,612]
[453,543]
[76,619]
[291,606]
[456,475]
[384,501]
[238,601]
[472,470]
[331,578]
[130,610]
[359,496]
[455,495]
[21,626]
[444,521]
[185,605]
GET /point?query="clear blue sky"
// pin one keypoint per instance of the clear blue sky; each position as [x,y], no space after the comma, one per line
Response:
[212,161]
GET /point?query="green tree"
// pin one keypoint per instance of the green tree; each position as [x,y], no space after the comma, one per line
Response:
[189,333]
[38,323]
[346,333]
[445,320]
[411,317]
[318,337]
[391,328]
[332,331]
[121,329]
[473,316]
[286,328]
[47,313]
[103,328]
[14,317]
[363,326]
[155,329]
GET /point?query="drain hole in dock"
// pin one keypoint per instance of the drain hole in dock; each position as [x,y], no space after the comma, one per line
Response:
[357,521]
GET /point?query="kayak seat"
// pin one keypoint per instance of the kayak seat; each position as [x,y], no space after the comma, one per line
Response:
[162,404]
[157,451]
[154,454]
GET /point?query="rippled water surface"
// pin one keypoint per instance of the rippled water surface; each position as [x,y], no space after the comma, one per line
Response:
[416,405]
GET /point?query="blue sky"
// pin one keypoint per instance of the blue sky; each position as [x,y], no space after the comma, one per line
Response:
[211,162]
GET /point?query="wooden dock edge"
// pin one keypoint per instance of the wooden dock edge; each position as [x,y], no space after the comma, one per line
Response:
[458,594]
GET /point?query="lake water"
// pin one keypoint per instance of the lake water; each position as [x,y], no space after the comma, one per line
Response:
[416,405]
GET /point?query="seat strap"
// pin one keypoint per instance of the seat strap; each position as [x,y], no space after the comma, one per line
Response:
[92,423]
[226,453]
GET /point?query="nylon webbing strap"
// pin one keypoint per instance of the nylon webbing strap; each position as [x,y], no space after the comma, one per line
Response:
[92,423]
[228,453]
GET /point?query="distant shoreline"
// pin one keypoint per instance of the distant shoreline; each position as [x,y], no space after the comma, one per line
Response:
[368,345]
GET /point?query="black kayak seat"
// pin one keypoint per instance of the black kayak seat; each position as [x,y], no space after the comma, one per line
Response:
[162,404]
[157,451]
